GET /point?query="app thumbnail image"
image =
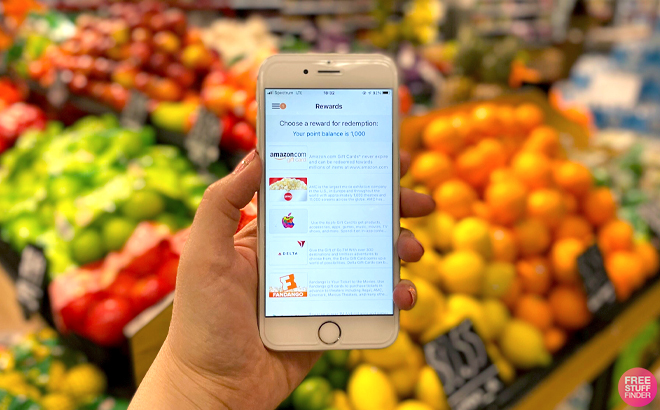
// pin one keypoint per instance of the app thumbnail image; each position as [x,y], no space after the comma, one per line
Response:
[286,157]
[287,189]
[288,221]
[287,251]
[287,285]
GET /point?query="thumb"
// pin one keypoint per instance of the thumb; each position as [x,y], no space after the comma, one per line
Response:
[219,212]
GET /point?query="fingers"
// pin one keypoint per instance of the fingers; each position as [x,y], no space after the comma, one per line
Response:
[414,204]
[218,215]
[405,295]
[404,161]
[409,248]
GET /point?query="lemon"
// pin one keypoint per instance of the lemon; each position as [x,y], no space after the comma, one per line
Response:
[56,376]
[405,273]
[506,371]
[493,352]
[424,236]
[473,234]
[522,345]
[428,306]
[498,277]
[392,356]
[404,378]
[429,389]
[428,267]
[442,325]
[463,272]
[442,225]
[496,317]
[467,307]
[83,382]
[413,405]
[340,400]
[370,389]
[57,401]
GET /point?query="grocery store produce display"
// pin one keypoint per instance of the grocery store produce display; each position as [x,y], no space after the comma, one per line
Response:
[150,48]
[79,192]
[15,115]
[39,373]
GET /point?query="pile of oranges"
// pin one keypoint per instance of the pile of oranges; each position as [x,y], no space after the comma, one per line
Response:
[514,213]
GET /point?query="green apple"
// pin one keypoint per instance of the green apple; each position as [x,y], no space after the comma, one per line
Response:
[87,247]
[116,232]
[143,205]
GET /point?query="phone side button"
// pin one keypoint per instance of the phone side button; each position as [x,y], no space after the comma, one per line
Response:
[329,333]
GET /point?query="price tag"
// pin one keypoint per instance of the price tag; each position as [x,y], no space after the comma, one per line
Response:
[31,284]
[471,381]
[650,211]
[58,92]
[203,140]
[600,291]
[135,113]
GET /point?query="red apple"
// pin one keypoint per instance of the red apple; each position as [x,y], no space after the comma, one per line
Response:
[196,56]
[182,75]
[157,22]
[125,74]
[146,292]
[158,63]
[105,322]
[242,137]
[139,53]
[78,83]
[142,81]
[167,42]
[101,68]
[118,96]
[193,36]
[214,78]
[175,21]
[141,35]
[165,89]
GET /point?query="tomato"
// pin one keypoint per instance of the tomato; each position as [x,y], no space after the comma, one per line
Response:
[122,285]
[148,262]
[75,313]
[146,292]
[242,137]
[167,273]
[106,320]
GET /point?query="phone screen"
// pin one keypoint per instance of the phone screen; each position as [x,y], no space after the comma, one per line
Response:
[329,233]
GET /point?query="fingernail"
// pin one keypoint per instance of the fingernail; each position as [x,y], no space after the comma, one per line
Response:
[413,295]
[246,161]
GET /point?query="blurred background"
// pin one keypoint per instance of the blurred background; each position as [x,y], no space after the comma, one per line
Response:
[534,124]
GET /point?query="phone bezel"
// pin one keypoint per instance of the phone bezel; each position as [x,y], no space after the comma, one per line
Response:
[356,71]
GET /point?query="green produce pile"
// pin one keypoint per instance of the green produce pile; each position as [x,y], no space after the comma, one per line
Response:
[38,373]
[79,192]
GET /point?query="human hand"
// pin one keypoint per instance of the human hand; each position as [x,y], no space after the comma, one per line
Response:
[213,356]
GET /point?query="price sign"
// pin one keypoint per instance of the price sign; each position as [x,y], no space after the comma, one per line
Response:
[134,115]
[31,282]
[203,140]
[58,92]
[600,291]
[470,379]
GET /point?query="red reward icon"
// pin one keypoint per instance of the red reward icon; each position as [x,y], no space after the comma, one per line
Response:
[288,196]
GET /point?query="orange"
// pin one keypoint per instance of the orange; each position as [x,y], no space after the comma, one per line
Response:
[504,244]
[528,116]
[431,168]
[511,146]
[554,339]
[570,203]
[506,116]
[574,226]
[507,201]
[455,197]
[440,135]
[599,206]
[626,272]
[482,211]
[649,256]
[532,237]
[546,205]
[616,235]
[502,175]
[533,169]
[535,275]
[563,258]
[534,310]
[494,154]
[485,119]
[569,307]
[513,294]
[543,140]
[573,178]
[462,126]
[470,166]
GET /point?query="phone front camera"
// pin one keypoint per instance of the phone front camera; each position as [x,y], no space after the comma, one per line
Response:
[305,71]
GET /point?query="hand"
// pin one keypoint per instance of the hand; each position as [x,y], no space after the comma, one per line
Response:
[213,356]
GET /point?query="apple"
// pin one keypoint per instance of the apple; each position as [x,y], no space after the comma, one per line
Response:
[105,321]
[125,74]
[158,63]
[175,21]
[157,23]
[71,47]
[142,81]
[139,53]
[141,35]
[120,32]
[165,89]
[101,68]
[166,42]
[182,75]
[217,98]
[214,78]
[242,137]
[118,96]
[146,292]
[193,36]
[78,84]
[196,56]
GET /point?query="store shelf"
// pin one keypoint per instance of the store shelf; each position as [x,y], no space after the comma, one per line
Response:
[594,356]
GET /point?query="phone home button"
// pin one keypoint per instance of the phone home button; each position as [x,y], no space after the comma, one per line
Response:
[329,333]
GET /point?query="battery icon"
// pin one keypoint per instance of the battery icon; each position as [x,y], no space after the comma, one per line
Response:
[386,92]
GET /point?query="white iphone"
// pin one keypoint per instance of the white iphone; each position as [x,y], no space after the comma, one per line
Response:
[329,201]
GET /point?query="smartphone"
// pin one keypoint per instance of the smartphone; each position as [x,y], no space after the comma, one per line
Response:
[329,201]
